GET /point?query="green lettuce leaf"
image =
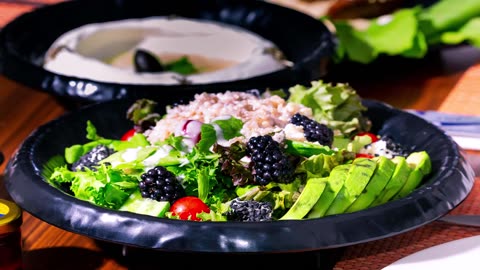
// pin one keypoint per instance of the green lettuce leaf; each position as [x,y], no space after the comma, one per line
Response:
[183,66]
[408,32]
[208,137]
[337,106]
[353,44]
[230,127]
[306,149]
[74,152]
[470,33]
[105,187]
[401,27]
[319,166]
[447,16]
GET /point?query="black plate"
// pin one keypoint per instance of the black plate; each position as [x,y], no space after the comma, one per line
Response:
[23,43]
[451,181]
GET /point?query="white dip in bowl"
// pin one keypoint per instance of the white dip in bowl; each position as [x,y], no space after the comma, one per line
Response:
[104,51]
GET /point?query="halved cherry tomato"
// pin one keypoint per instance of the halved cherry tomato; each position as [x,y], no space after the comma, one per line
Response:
[128,135]
[188,207]
[371,135]
[362,155]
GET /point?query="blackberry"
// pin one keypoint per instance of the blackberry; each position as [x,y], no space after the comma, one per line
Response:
[161,185]
[313,130]
[91,159]
[269,163]
[249,211]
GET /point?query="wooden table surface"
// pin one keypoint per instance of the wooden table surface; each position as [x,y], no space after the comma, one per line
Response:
[428,84]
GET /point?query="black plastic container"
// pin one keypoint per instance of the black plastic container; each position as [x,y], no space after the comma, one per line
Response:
[304,40]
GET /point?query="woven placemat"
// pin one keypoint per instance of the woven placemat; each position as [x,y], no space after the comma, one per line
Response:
[465,96]
[379,254]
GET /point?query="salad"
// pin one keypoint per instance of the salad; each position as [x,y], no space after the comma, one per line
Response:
[243,156]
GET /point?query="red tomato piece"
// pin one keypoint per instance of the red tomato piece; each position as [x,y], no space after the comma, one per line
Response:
[371,135]
[129,134]
[188,207]
[362,155]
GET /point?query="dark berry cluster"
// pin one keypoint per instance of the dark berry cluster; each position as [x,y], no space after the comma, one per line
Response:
[91,158]
[160,184]
[313,130]
[269,162]
[249,211]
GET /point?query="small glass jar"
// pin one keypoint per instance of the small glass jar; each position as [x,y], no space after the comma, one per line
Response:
[10,236]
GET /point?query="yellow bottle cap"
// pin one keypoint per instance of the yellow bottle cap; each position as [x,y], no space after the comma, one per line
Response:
[10,216]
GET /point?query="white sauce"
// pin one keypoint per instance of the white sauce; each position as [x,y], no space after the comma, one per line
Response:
[90,50]
[130,154]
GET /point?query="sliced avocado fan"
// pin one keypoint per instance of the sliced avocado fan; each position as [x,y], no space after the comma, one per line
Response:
[381,176]
[396,182]
[334,184]
[310,194]
[357,179]
[421,165]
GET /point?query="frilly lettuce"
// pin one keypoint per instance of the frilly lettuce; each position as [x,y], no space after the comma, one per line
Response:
[105,187]
[338,106]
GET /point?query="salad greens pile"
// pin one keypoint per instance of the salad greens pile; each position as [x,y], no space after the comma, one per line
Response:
[214,173]
[410,32]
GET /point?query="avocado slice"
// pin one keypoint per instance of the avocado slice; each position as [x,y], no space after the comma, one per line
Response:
[145,206]
[357,179]
[310,194]
[421,166]
[334,184]
[395,184]
[381,175]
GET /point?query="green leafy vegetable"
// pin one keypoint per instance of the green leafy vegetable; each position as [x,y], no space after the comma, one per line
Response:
[470,33]
[74,152]
[306,149]
[447,15]
[409,32]
[208,138]
[182,66]
[338,106]
[105,187]
[230,128]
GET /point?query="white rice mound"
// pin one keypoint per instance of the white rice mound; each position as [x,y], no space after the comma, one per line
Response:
[261,115]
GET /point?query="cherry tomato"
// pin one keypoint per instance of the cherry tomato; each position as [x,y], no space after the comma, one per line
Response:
[362,155]
[371,135]
[128,135]
[188,207]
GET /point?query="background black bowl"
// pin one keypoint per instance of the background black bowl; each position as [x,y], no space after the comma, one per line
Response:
[448,185]
[23,42]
